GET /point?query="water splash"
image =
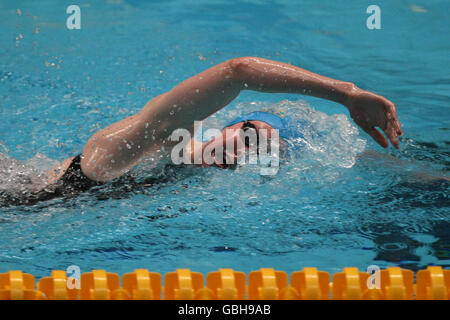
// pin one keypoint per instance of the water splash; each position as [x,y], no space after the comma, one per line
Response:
[21,178]
[318,141]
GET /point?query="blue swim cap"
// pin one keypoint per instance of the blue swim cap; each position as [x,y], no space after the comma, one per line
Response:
[281,124]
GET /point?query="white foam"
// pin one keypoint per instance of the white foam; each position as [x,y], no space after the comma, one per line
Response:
[20,177]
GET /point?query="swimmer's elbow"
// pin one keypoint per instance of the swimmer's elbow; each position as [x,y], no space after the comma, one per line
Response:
[95,172]
[97,165]
[239,68]
[102,174]
[238,63]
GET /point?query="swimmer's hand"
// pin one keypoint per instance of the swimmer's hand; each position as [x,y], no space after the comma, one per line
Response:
[370,110]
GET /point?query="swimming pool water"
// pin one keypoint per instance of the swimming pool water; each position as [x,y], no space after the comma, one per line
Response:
[341,201]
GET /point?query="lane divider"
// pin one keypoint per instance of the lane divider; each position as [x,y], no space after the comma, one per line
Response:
[394,283]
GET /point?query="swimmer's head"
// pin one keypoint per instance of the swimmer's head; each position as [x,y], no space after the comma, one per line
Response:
[244,133]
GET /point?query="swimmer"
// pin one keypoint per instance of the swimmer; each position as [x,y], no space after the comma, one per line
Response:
[116,149]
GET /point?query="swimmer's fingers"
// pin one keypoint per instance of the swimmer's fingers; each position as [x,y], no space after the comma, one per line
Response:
[377,136]
[368,127]
[395,122]
[391,132]
[392,127]
[370,110]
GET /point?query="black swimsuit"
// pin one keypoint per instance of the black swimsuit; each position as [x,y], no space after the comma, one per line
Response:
[74,180]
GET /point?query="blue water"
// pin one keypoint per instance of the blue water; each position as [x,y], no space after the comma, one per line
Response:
[343,201]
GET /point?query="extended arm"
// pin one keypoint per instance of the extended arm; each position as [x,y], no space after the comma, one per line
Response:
[211,90]
[126,142]
[367,109]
